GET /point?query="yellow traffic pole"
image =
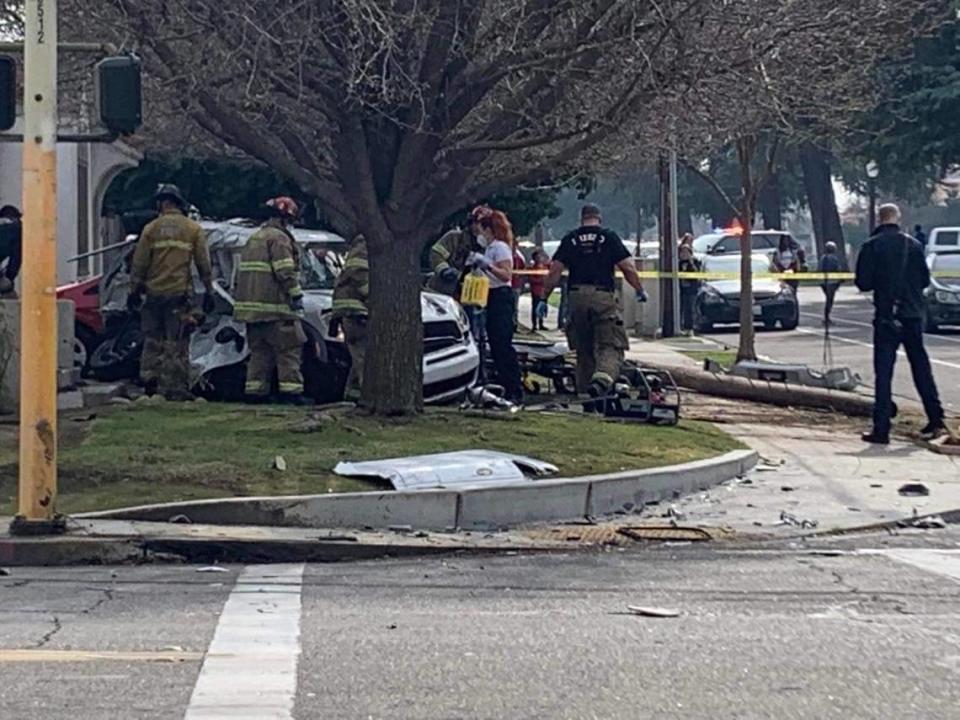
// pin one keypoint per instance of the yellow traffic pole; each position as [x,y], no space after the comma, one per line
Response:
[38,318]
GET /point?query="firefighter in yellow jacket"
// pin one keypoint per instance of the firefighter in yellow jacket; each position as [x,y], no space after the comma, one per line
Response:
[350,309]
[161,270]
[270,301]
[448,255]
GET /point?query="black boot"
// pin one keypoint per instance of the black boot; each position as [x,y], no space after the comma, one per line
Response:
[933,430]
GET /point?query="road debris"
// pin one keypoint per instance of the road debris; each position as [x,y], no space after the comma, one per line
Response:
[914,490]
[653,612]
[786,488]
[212,569]
[180,519]
[788,519]
[930,522]
[279,463]
[468,467]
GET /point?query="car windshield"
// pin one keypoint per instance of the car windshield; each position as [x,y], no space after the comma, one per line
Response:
[946,268]
[731,264]
[317,268]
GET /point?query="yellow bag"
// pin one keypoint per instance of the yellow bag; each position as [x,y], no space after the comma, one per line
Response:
[476,288]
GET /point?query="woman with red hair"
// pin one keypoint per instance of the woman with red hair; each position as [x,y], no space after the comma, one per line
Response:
[496,237]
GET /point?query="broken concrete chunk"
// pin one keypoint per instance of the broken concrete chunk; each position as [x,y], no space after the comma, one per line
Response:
[653,611]
[914,490]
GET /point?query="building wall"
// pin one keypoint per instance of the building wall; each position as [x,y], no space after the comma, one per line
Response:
[88,168]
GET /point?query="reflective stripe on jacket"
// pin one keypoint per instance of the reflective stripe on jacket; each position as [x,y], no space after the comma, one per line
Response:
[268,277]
[165,251]
[353,284]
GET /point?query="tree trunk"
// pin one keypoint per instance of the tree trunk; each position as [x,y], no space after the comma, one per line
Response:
[746,150]
[818,182]
[770,203]
[748,344]
[392,381]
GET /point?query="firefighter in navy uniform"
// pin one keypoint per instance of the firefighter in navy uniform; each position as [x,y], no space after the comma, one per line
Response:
[269,300]
[161,270]
[591,254]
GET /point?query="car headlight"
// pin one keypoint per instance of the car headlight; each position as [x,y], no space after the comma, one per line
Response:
[947,298]
[463,319]
[712,295]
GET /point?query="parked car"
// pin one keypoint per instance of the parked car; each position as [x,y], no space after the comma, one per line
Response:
[943,294]
[718,301]
[218,348]
[943,239]
[727,242]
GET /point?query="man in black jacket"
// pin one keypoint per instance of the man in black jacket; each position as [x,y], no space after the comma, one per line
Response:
[11,249]
[892,265]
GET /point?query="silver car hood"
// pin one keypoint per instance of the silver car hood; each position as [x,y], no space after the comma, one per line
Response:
[433,306]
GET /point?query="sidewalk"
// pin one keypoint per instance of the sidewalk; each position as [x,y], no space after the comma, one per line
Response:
[828,477]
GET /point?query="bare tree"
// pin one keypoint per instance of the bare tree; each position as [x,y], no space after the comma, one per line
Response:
[393,114]
[804,79]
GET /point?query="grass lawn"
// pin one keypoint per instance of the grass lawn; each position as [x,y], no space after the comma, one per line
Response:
[148,453]
[724,357]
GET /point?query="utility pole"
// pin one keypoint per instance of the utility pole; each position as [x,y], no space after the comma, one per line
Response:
[674,250]
[38,318]
[668,264]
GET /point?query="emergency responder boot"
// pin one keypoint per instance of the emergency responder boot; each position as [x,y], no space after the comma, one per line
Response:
[295,400]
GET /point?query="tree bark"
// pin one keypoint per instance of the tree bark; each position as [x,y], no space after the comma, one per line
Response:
[394,360]
[746,149]
[770,204]
[818,182]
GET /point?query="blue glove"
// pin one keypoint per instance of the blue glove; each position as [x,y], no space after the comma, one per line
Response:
[449,275]
[642,296]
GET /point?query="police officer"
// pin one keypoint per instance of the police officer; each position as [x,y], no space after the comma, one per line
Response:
[591,253]
[269,300]
[350,296]
[11,250]
[161,270]
[448,256]
[892,265]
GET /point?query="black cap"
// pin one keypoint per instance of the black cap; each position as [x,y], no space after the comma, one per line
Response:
[590,211]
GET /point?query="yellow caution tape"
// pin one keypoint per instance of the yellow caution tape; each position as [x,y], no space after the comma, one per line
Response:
[818,276]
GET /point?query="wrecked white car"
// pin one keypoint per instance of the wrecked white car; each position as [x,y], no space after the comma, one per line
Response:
[218,348]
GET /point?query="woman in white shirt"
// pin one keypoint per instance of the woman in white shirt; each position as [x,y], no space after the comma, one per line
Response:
[496,262]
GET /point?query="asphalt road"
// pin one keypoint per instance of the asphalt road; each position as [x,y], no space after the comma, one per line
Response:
[851,344]
[779,630]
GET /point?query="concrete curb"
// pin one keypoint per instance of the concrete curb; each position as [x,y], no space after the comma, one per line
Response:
[481,508]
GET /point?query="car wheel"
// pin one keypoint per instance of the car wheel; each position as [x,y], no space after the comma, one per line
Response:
[325,381]
[793,322]
[769,324]
[119,357]
[85,341]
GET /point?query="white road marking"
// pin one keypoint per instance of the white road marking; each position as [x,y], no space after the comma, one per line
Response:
[861,343]
[857,323]
[250,669]
[941,562]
